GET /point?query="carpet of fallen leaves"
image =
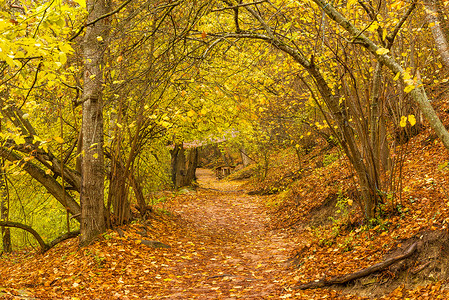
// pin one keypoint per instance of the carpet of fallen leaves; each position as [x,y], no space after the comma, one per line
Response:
[226,244]
[221,248]
[346,244]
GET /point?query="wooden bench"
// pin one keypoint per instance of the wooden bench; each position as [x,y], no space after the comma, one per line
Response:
[223,171]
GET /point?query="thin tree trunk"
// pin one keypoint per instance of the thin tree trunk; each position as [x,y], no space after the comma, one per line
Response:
[6,233]
[92,167]
[138,192]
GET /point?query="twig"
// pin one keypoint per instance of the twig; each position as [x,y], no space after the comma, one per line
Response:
[32,86]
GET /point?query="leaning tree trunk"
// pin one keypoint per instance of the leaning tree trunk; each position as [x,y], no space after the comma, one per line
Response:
[436,18]
[92,167]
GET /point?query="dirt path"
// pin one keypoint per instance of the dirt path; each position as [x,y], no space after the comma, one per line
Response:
[220,248]
[235,255]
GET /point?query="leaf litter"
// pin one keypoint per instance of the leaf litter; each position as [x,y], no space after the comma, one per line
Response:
[226,244]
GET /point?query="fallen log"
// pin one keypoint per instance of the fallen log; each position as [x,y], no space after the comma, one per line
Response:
[359,274]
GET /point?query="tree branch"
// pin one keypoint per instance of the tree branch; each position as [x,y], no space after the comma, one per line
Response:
[118,9]
[392,36]
[238,5]
[44,247]
[50,184]
[362,273]
[65,236]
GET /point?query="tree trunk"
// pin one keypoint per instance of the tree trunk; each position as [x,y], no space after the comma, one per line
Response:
[434,16]
[177,165]
[346,136]
[6,234]
[50,183]
[92,167]
[192,164]
[245,158]
[182,170]
[118,194]
[138,192]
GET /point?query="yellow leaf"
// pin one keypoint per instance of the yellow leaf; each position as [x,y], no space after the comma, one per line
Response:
[82,3]
[48,172]
[59,139]
[382,51]
[99,38]
[165,124]
[350,3]
[373,27]
[409,88]
[403,122]
[406,75]
[190,113]
[36,138]
[119,59]
[95,155]
[62,57]
[19,140]
[412,120]
[350,202]
[397,76]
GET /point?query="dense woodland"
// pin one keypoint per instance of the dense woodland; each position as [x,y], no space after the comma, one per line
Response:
[332,116]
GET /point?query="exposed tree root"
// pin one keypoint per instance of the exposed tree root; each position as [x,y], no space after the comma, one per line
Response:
[359,274]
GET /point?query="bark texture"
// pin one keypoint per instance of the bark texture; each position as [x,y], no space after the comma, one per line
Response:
[182,169]
[437,22]
[92,167]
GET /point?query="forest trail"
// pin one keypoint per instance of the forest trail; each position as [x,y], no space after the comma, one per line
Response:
[220,248]
[237,255]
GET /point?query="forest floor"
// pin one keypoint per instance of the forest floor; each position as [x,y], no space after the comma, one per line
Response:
[226,244]
[220,245]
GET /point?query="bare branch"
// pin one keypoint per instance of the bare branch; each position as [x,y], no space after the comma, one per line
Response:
[118,9]
[398,26]
[238,5]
